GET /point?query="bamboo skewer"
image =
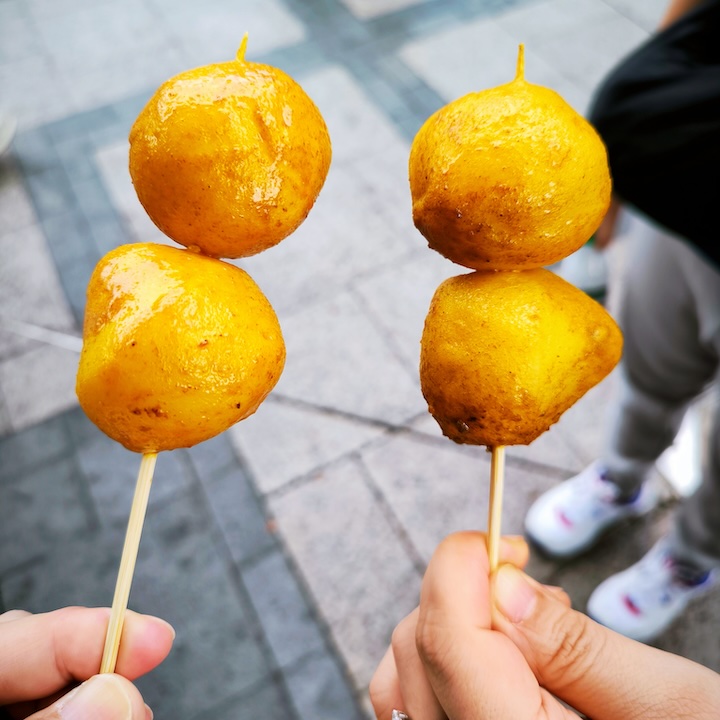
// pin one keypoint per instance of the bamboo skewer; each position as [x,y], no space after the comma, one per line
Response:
[497,480]
[127,562]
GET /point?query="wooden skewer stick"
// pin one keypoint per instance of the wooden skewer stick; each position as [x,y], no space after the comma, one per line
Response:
[497,480]
[127,562]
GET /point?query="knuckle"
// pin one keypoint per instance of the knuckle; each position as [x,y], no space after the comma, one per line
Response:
[573,652]
[433,643]
[402,639]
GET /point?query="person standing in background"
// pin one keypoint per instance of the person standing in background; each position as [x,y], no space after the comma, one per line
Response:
[658,113]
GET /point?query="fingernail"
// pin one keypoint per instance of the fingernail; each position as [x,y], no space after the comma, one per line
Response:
[514,596]
[149,714]
[100,696]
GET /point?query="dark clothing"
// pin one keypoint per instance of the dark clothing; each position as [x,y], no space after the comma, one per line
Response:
[658,113]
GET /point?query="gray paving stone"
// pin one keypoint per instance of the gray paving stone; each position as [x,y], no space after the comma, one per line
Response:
[30,289]
[78,125]
[591,42]
[553,450]
[78,569]
[582,426]
[367,179]
[455,62]
[69,240]
[337,359]
[100,137]
[93,198]
[39,507]
[5,424]
[647,14]
[352,560]
[399,298]
[128,108]
[319,690]
[287,620]
[333,248]
[239,515]
[35,90]
[102,32]
[75,276]
[16,210]
[213,457]
[212,32]
[38,384]
[51,193]
[128,73]
[357,128]
[108,233]
[48,10]
[183,577]
[282,442]
[268,702]
[537,21]
[34,151]
[32,448]
[112,162]
[112,472]
[437,488]
[367,9]
[79,428]
[299,60]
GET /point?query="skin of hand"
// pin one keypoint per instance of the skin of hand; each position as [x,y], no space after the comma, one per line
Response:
[49,661]
[676,9]
[506,647]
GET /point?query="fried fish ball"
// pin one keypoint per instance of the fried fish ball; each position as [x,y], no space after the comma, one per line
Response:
[177,347]
[508,178]
[229,158]
[504,354]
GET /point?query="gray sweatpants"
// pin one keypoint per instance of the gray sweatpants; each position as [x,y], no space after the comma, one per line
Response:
[669,310]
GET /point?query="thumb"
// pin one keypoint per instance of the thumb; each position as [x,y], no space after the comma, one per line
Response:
[102,697]
[595,670]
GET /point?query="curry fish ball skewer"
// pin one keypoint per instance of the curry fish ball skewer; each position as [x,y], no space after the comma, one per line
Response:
[505,354]
[508,179]
[227,159]
[177,347]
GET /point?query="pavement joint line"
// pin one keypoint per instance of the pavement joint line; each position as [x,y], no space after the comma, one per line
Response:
[281,399]
[391,516]
[47,336]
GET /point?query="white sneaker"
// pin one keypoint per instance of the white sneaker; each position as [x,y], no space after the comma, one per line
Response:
[567,520]
[643,601]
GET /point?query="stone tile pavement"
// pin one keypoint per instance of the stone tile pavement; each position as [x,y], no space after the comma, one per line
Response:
[285,550]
